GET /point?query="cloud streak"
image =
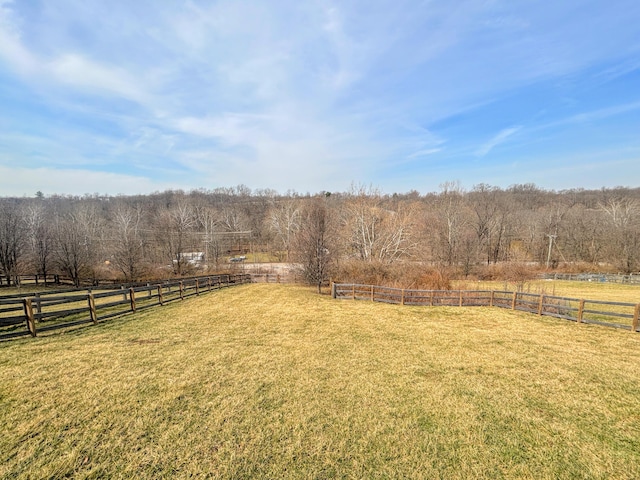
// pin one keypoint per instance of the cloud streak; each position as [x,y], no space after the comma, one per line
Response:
[496,140]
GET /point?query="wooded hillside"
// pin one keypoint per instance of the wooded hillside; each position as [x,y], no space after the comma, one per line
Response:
[473,232]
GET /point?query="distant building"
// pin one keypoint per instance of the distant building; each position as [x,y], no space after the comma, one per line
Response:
[195,259]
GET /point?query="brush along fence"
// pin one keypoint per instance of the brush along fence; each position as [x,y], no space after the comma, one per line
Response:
[42,312]
[610,314]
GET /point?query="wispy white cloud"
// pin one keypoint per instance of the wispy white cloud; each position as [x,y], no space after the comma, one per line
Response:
[11,48]
[496,140]
[19,181]
[296,94]
[88,75]
[425,152]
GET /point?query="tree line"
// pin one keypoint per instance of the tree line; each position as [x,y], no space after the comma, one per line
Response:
[176,232]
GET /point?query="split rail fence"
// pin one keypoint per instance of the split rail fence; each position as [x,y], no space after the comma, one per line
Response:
[610,314]
[22,315]
[632,279]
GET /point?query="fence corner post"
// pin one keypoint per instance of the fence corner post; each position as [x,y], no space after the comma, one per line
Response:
[333,290]
[28,313]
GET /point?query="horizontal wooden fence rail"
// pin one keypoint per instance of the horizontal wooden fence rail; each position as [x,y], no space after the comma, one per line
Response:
[268,278]
[632,279]
[45,311]
[610,314]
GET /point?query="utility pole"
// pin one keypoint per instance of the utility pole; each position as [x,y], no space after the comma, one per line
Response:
[551,239]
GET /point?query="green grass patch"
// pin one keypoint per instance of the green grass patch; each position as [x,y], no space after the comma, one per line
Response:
[265,381]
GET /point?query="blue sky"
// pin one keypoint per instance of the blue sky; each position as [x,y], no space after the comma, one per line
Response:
[134,97]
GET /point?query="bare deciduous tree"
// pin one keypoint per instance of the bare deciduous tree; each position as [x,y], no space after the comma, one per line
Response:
[284,222]
[11,239]
[176,226]
[77,249]
[40,237]
[375,231]
[447,223]
[623,215]
[208,222]
[128,245]
[313,243]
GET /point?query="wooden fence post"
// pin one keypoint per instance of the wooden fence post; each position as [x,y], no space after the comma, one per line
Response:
[580,311]
[540,304]
[28,314]
[372,294]
[132,299]
[513,302]
[431,298]
[38,303]
[181,291]
[208,284]
[160,299]
[197,288]
[353,291]
[636,314]
[460,294]
[402,299]
[333,290]
[92,308]
[493,294]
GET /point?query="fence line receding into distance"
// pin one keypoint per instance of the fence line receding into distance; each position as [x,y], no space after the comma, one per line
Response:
[46,311]
[610,314]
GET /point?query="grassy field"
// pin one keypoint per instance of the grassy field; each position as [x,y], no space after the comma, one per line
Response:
[266,381]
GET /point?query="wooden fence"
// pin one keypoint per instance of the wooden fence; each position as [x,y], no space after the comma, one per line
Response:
[275,278]
[46,311]
[610,314]
[53,279]
[632,279]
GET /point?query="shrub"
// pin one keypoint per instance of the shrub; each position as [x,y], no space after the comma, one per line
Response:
[401,275]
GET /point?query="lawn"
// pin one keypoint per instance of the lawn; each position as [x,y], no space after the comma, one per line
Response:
[272,381]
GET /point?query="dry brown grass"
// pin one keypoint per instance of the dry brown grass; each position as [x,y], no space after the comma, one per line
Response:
[265,381]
